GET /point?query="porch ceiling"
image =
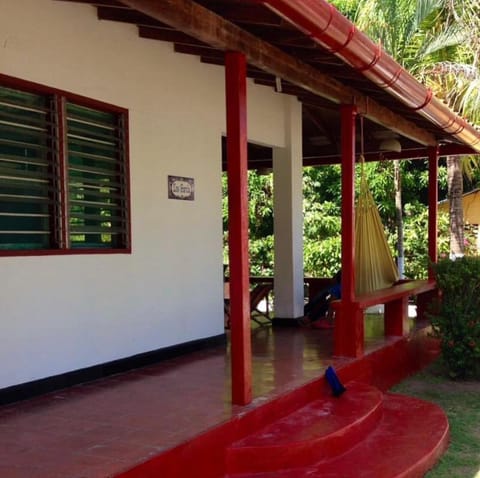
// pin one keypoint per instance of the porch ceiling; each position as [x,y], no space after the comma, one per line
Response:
[283,57]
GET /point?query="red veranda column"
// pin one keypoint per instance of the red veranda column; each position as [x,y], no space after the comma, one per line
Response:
[241,354]
[349,320]
[432,207]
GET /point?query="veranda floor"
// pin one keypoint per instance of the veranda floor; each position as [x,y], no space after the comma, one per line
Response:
[102,428]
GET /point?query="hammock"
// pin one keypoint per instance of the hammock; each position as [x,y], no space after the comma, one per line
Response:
[374,265]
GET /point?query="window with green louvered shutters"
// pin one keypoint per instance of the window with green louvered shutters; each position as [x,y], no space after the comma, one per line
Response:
[63,172]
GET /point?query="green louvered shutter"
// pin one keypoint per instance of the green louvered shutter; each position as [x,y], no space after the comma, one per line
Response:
[96,178]
[28,198]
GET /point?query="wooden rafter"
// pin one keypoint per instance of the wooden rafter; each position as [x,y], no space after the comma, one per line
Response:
[203,52]
[126,16]
[107,3]
[208,27]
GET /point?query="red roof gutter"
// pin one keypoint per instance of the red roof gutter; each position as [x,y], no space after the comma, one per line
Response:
[328,27]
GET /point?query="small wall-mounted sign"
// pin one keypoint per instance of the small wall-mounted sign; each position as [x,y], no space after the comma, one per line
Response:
[181,188]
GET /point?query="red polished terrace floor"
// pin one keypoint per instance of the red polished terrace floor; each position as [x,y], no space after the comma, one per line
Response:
[102,428]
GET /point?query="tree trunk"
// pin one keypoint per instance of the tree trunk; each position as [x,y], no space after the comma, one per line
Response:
[455,196]
[399,218]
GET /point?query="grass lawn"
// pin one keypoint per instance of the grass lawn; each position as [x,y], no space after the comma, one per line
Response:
[461,403]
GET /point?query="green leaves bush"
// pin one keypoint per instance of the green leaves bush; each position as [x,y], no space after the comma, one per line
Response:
[456,317]
[322,221]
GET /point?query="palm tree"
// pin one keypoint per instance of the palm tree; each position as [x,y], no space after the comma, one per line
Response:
[456,79]
[438,41]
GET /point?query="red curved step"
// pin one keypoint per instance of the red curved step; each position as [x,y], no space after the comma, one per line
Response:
[408,441]
[322,429]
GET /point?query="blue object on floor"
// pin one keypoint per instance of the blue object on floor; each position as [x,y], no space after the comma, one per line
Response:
[334,382]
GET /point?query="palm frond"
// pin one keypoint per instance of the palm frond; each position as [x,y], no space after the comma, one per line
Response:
[453,36]
[470,101]
[427,10]
[469,164]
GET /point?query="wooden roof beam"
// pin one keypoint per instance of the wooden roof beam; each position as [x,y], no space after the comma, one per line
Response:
[245,14]
[197,21]
[170,35]
[208,27]
[281,36]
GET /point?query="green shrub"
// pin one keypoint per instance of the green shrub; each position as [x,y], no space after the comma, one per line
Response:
[456,318]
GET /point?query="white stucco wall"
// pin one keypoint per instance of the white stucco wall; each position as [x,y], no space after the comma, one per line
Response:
[65,312]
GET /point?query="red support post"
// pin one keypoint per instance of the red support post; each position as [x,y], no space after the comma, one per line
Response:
[348,117]
[432,207]
[349,339]
[395,317]
[236,103]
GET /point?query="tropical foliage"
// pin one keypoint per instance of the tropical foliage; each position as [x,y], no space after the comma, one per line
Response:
[456,319]
[260,215]
[322,223]
[436,40]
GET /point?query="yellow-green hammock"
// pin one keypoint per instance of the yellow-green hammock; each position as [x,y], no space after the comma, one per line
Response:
[374,265]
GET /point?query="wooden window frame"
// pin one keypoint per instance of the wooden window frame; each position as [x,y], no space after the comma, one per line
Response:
[60,228]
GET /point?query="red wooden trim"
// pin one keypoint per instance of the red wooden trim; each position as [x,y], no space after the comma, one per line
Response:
[432,207]
[348,115]
[236,99]
[417,153]
[390,294]
[349,337]
[349,316]
[126,143]
[61,161]
[61,252]
[29,86]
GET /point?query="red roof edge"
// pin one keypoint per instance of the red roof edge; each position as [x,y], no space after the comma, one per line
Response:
[328,27]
